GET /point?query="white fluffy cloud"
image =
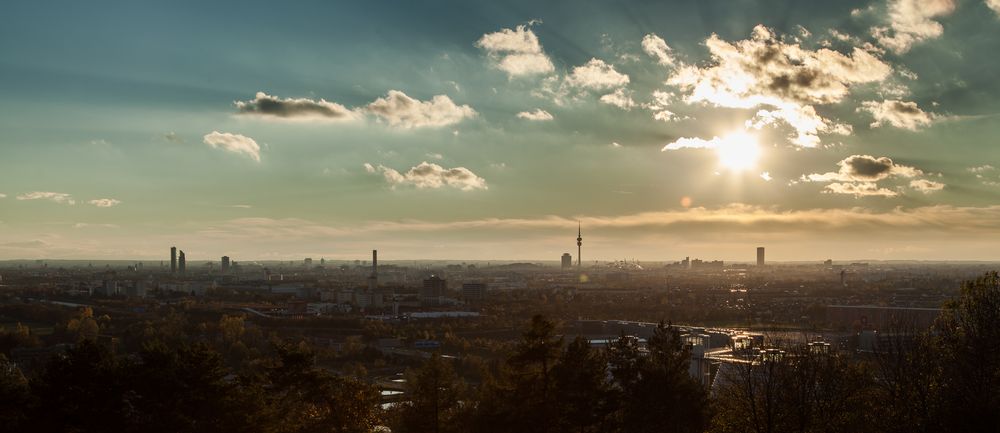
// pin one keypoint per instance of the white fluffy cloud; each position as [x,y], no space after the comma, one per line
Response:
[784,79]
[911,22]
[537,115]
[596,74]
[265,105]
[105,202]
[901,114]
[400,110]
[430,175]
[516,52]
[235,143]
[657,48]
[620,98]
[926,186]
[58,197]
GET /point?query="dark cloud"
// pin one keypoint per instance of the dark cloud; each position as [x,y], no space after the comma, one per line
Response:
[294,108]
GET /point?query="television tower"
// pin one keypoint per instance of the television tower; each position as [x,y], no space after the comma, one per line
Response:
[579,245]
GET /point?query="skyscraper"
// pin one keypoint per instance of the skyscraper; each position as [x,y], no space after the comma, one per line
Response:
[173,259]
[181,263]
[579,246]
[760,256]
[567,261]
[225,264]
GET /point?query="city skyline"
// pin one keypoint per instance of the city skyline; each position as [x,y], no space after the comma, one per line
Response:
[860,130]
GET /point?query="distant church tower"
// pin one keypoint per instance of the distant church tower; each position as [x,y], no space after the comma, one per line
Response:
[579,246]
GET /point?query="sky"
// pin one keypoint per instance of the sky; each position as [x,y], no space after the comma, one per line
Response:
[479,130]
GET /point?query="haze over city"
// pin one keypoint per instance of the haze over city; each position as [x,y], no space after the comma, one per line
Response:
[489,130]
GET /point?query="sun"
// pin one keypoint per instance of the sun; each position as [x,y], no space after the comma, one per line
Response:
[738,151]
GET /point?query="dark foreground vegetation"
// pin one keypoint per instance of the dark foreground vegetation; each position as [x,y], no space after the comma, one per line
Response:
[945,379]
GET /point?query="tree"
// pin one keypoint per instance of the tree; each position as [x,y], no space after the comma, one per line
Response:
[434,393]
[968,338]
[299,397]
[521,398]
[658,394]
[83,391]
[182,390]
[580,379]
[15,397]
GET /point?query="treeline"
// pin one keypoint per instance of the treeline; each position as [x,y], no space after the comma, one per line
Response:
[183,389]
[946,379]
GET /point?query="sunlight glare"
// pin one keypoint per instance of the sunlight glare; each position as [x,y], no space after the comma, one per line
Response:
[738,151]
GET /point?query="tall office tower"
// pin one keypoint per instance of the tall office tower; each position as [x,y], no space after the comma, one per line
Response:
[567,261]
[173,259]
[433,290]
[181,263]
[373,278]
[760,256]
[225,264]
[579,246]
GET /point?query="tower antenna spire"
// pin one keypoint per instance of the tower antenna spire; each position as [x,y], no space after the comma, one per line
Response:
[579,245]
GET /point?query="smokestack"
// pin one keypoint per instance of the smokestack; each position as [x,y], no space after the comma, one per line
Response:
[373,278]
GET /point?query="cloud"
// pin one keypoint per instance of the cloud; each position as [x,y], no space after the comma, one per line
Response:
[693,143]
[982,168]
[859,175]
[105,202]
[537,115]
[926,186]
[910,22]
[859,189]
[268,106]
[659,106]
[234,143]
[864,168]
[432,176]
[516,52]
[3,195]
[804,119]
[173,137]
[784,78]
[995,5]
[403,111]
[621,98]
[58,197]
[596,75]
[901,114]
[695,221]
[93,225]
[657,48]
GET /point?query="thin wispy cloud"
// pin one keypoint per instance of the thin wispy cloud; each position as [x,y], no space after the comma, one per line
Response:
[57,197]
[105,202]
